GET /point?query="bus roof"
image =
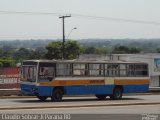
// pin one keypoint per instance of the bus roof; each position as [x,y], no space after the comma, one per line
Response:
[83,61]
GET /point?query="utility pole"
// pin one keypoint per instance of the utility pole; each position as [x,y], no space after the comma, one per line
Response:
[63,44]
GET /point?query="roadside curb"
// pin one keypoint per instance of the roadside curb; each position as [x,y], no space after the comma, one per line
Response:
[15,97]
[19,96]
[76,106]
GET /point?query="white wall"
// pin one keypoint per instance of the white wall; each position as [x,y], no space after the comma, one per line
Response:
[154,82]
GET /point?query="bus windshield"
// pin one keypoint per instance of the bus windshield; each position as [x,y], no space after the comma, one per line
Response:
[29,73]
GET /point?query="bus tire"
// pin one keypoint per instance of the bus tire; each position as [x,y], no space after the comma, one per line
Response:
[117,93]
[57,95]
[101,97]
[42,98]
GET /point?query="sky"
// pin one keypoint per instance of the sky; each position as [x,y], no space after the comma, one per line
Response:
[49,26]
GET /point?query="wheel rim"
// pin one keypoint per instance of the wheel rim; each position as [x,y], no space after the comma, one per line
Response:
[118,93]
[57,95]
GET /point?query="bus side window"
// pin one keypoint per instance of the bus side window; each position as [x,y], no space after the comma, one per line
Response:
[130,70]
[46,73]
[141,70]
[115,69]
[111,70]
[63,69]
[96,69]
[123,70]
[145,70]
[79,69]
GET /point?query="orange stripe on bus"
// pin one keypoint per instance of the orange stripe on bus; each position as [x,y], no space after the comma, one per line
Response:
[73,82]
[128,82]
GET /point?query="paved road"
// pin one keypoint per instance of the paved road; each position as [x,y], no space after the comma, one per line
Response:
[105,111]
[78,102]
[96,113]
[134,109]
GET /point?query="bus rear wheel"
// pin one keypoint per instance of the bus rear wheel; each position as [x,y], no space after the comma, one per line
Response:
[101,97]
[57,95]
[117,93]
[42,98]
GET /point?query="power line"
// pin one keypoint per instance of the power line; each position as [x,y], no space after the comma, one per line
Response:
[116,19]
[85,16]
[29,13]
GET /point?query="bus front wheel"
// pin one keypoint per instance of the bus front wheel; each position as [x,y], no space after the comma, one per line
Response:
[57,95]
[101,97]
[117,93]
[42,98]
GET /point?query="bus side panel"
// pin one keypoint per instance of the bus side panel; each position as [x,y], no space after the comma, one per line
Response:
[45,90]
[101,89]
[90,89]
[135,88]
[77,90]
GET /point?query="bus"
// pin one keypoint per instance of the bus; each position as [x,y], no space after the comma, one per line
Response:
[56,78]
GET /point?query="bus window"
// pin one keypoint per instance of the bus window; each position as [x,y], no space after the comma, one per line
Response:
[115,69]
[63,69]
[112,70]
[130,70]
[145,70]
[46,73]
[141,70]
[79,69]
[29,73]
[96,70]
[123,70]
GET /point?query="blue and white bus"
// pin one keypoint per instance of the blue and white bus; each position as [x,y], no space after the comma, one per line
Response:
[55,78]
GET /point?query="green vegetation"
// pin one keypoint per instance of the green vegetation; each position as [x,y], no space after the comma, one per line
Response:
[54,50]
[7,62]
[125,50]
[95,50]
[13,52]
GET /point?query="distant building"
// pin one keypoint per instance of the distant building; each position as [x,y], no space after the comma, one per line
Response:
[153,60]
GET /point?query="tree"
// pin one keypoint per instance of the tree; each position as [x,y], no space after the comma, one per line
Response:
[1,53]
[95,50]
[72,49]
[23,54]
[121,50]
[125,50]
[7,62]
[38,53]
[90,50]
[157,50]
[54,50]
[7,51]
[101,50]
[134,50]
